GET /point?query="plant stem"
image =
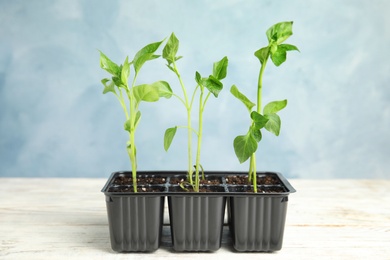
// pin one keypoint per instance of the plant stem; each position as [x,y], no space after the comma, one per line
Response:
[252,172]
[189,128]
[132,151]
[133,159]
[252,169]
[200,130]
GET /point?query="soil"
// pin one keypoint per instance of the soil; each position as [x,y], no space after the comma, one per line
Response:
[139,189]
[261,180]
[141,180]
[212,180]
[202,188]
[236,183]
[260,189]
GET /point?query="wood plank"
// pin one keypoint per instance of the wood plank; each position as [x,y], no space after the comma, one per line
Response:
[326,219]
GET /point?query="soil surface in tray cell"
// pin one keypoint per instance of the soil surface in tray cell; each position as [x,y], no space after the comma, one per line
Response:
[141,180]
[260,180]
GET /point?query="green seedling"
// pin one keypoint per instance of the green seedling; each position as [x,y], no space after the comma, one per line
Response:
[245,146]
[205,86]
[135,94]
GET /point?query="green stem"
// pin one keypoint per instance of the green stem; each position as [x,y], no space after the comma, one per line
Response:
[200,130]
[254,173]
[189,131]
[252,169]
[132,150]
[133,159]
[260,86]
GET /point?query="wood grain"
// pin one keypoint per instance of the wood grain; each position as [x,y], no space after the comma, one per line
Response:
[66,219]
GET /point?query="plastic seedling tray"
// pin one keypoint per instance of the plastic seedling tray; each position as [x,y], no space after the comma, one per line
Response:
[256,220]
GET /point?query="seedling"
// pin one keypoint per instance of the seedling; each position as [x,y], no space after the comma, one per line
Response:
[245,146]
[118,85]
[213,85]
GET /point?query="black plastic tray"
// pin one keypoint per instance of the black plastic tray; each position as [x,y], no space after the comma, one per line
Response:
[256,220]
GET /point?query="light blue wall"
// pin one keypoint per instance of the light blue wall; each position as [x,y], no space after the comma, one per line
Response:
[54,120]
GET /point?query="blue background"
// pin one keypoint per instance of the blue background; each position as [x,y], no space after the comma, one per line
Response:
[54,120]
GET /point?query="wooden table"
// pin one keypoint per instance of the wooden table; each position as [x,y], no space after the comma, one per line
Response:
[66,218]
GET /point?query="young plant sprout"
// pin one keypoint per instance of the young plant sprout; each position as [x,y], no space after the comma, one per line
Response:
[213,85]
[245,146]
[135,94]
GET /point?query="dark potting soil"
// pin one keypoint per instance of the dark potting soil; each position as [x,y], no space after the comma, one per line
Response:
[141,180]
[131,189]
[260,180]
[212,180]
[260,189]
[235,183]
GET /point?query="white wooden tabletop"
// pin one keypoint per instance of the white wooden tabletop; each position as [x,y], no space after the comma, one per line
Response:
[66,218]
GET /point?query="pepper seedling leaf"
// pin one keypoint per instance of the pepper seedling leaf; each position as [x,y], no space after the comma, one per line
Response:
[164,89]
[274,106]
[127,125]
[137,118]
[198,78]
[280,54]
[152,92]
[245,146]
[220,68]
[170,49]
[236,93]
[108,87]
[108,65]
[146,93]
[213,84]
[145,54]
[279,32]
[262,54]
[168,137]
[273,124]
[259,120]
[256,133]
[125,72]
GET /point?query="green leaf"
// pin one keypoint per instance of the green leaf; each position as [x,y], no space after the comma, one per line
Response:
[170,49]
[288,47]
[280,55]
[145,54]
[213,85]
[256,133]
[108,65]
[249,105]
[245,146]
[108,87]
[117,81]
[262,54]
[127,125]
[279,32]
[171,68]
[152,92]
[275,106]
[164,89]
[125,71]
[128,145]
[220,68]
[198,78]
[168,137]
[260,120]
[146,92]
[273,124]
[137,118]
